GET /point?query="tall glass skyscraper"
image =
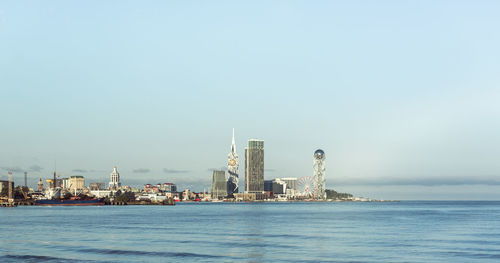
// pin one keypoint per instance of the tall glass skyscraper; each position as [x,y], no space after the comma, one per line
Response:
[254,166]
[219,185]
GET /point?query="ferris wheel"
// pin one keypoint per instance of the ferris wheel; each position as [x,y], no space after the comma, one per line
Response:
[305,186]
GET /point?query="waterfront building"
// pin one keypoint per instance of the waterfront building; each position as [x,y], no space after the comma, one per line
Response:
[319,174]
[152,197]
[291,186]
[268,188]
[114,181]
[219,186]
[187,195]
[291,183]
[169,187]
[40,185]
[76,182]
[279,187]
[65,183]
[250,196]
[149,188]
[96,186]
[254,166]
[232,170]
[268,185]
[4,187]
[98,193]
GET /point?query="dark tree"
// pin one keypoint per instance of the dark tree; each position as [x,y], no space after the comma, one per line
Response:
[125,197]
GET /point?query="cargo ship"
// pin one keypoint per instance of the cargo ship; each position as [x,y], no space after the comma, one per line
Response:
[53,197]
[69,202]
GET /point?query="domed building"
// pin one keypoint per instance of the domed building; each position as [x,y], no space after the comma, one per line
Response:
[114,181]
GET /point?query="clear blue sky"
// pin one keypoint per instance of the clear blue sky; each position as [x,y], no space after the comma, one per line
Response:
[403,96]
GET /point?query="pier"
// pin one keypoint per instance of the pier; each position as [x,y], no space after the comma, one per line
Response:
[7,204]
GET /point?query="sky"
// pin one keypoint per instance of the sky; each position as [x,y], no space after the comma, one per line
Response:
[403,96]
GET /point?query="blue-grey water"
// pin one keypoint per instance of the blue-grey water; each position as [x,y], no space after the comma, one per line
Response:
[254,232]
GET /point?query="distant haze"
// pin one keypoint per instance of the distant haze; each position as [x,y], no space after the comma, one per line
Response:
[403,96]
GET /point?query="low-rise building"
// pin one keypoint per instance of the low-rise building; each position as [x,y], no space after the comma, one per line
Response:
[169,187]
[279,187]
[291,183]
[152,197]
[100,193]
[250,196]
[96,186]
[149,188]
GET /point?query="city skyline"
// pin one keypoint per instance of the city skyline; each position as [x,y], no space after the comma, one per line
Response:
[402,97]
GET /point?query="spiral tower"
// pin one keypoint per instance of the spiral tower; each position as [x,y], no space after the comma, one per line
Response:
[319,175]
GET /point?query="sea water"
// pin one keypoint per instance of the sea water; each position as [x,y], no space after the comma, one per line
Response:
[409,231]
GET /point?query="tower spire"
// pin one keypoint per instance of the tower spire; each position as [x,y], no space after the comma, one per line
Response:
[233,144]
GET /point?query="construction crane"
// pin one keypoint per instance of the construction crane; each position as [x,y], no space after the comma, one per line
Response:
[24,194]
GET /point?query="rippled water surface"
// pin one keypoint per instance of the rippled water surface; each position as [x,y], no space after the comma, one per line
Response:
[254,232]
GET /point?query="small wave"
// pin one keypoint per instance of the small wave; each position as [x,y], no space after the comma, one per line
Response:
[473,254]
[35,258]
[147,253]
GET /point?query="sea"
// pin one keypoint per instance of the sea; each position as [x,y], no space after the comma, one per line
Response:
[406,231]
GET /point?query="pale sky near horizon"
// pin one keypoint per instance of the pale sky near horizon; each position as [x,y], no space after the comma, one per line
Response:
[403,96]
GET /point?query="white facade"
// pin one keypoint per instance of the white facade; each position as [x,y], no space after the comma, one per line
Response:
[65,183]
[291,183]
[152,197]
[101,193]
[76,182]
[114,181]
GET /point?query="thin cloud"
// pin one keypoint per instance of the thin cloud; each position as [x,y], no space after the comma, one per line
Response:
[270,170]
[141,170]
[35,168]
[174,171]
[13,169]
[79,171]
[99,171]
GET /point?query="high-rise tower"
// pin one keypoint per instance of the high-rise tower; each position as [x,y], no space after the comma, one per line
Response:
[254,166]
[114,181]
[219,185]
[232,169]
[40,185]
[319,174]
